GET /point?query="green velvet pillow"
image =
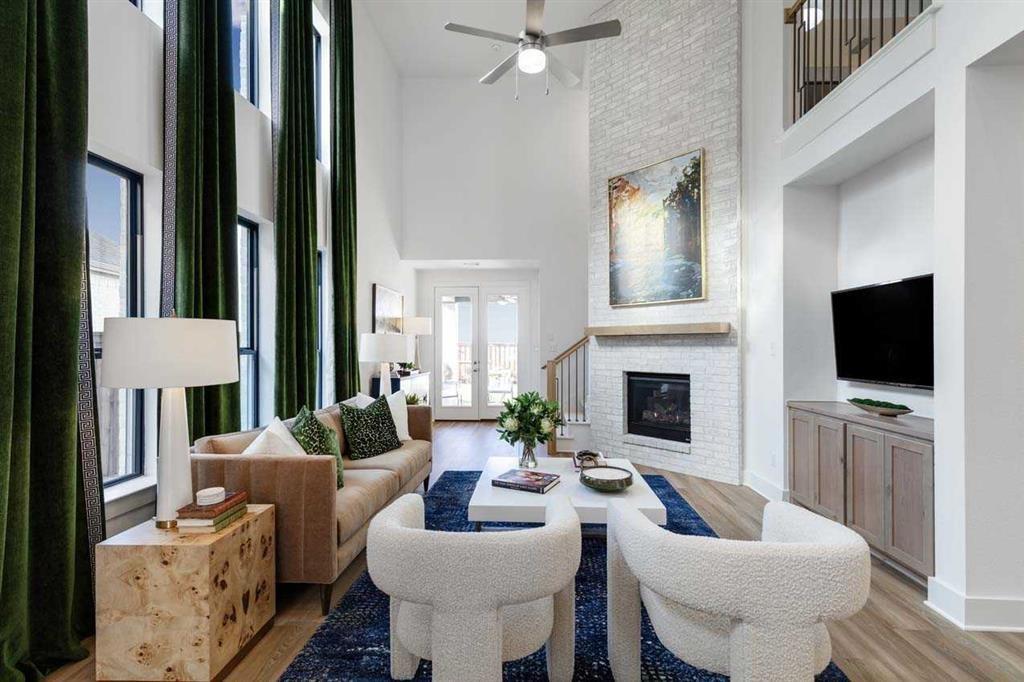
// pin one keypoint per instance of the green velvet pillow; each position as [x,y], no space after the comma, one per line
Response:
[369,431]
[316,438]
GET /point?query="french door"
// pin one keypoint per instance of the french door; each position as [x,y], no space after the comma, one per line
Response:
[481,348]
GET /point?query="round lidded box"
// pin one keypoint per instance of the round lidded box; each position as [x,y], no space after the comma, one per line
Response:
[606,479]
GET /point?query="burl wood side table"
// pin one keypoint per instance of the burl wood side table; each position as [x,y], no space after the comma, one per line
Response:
[183,607]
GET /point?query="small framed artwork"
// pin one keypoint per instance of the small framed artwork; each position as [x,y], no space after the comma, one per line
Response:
[388,306]
[656,249]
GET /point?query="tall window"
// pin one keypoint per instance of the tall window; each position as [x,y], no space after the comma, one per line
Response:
[244,48]
[114,196]
[248,322]
[320,328]
[317,80]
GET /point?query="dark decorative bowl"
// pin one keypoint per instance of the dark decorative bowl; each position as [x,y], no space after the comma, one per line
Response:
[606,479]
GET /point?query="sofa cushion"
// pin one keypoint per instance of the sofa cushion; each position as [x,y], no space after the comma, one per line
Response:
[412,456]
[317,439]
[369,432]
[366,492]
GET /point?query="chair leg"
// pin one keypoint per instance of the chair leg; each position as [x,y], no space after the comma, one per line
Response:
[774,652]
[403,662]
[623,615]
[325,598]
[466,646]
[561,646]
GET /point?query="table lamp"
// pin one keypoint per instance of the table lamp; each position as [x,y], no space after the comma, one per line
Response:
[385,349]
[172,354]
[418,326]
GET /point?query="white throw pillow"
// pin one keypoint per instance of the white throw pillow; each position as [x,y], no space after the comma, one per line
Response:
[359,400]
[400,414]
[276,439]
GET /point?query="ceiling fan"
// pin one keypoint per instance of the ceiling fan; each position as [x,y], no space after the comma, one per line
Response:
[531,55]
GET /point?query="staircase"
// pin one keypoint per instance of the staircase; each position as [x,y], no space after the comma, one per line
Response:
[568,382]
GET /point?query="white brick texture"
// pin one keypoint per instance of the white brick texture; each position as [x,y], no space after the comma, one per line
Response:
[668,85]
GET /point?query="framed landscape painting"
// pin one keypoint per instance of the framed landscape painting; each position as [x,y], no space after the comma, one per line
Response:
[387,310]
[656,233]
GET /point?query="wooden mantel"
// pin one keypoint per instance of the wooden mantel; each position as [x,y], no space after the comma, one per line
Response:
[661,329]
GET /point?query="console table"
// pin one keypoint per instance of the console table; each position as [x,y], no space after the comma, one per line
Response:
[183,607]
[874,474]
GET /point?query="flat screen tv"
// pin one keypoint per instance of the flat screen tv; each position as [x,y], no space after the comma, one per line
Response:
[883,333]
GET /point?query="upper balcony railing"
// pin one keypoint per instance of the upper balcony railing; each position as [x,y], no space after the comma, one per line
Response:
[832,38]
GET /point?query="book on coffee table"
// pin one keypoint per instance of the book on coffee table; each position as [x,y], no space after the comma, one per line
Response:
[527,480]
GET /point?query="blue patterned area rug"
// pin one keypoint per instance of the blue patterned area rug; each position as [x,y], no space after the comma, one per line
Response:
[352,642]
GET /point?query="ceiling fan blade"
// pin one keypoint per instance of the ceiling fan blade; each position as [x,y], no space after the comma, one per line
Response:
[500,70]
[481,33]
[562,72]
[606,29]
[534,16]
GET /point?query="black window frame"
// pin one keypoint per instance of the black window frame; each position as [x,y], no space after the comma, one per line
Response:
[253,231]
[136,305]
[317,92]
[320,329]
[254,54]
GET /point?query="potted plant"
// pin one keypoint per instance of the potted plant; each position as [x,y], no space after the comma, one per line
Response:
[530,420]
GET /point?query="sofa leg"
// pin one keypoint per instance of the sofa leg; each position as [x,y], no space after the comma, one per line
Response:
[426,483]
[325,598]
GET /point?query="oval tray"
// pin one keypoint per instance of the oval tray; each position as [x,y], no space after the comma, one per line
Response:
[606,485]
[881,411]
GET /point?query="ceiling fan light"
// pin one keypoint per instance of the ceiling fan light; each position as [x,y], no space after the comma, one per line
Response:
[532,60]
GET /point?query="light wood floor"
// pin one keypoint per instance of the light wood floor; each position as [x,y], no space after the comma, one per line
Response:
[895,637]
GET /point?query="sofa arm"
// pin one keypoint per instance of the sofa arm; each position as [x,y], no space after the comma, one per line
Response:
[421,422]
[303,490]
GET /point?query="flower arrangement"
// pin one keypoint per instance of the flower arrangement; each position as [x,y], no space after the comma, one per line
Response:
[530,420]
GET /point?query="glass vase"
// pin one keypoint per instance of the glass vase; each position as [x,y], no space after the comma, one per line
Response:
[527,460]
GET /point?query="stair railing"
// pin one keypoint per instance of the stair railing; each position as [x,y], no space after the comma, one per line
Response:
[568,382]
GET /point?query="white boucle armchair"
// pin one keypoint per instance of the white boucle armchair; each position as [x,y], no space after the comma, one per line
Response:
[752,610]
[469,601]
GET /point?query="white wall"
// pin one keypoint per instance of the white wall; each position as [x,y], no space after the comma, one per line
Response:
[885,233]
[379,182]
[977,554]
[486,177]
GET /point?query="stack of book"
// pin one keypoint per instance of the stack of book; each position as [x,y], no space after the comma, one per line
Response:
[210,518]
[526,479]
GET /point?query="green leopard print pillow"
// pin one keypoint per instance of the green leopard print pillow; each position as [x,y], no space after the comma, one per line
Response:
[370,431]
[316,438]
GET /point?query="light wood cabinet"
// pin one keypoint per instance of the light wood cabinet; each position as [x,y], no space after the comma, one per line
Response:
[874,474]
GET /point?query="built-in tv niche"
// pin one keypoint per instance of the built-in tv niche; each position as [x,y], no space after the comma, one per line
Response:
[658,405]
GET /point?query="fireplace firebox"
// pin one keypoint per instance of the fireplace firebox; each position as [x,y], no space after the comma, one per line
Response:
[658,405]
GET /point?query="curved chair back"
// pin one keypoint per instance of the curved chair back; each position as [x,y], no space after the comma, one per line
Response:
[471,571]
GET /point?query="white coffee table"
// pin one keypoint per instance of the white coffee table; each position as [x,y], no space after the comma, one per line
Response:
[491,504]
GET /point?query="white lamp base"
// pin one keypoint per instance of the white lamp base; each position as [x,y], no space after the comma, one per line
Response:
[174,473]
[385,378]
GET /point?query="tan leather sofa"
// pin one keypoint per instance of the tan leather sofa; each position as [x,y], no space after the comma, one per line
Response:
[320,528]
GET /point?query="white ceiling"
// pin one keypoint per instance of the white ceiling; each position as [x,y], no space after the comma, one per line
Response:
[413,32]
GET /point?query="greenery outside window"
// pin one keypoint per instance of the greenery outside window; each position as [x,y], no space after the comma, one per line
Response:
[114,196]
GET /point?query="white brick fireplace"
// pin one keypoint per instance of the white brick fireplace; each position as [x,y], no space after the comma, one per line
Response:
[668,86]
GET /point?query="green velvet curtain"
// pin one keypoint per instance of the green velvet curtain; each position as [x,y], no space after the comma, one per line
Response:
[343,203]
[45,589]
[205,194]
[295,356]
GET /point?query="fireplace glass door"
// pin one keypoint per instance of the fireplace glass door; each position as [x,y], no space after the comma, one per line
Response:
[658,405]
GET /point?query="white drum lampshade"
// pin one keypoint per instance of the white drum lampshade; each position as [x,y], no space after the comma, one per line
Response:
[170,353]
[385,349]
[418,326]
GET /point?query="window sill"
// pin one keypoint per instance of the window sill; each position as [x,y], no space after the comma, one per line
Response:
[122,498]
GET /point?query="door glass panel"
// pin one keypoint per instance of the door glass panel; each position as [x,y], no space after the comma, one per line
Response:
[502,348]
[456,351]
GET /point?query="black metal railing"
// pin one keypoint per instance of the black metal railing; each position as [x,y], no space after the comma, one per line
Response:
[832,38]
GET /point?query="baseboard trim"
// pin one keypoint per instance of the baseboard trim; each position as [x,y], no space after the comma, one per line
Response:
[986,614]
[763,487]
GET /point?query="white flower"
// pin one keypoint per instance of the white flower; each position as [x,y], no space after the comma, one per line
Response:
[537,409]
[546,425]
[511,423]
